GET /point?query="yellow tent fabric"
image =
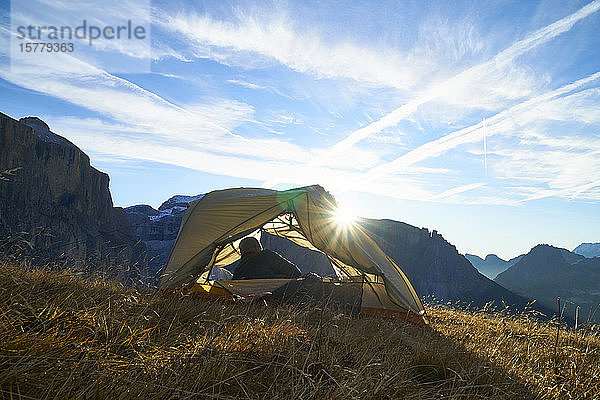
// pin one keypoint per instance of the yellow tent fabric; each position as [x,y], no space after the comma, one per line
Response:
[214,223]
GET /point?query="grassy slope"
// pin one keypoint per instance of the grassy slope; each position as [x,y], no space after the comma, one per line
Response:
[63,336]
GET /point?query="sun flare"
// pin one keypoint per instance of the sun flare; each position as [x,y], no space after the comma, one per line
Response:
[344,216]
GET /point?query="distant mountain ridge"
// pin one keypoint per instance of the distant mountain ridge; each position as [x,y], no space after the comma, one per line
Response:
[158,228]
[588,250]
[548,272]
[492,265]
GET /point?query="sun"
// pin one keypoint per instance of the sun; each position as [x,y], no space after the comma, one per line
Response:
[344,216]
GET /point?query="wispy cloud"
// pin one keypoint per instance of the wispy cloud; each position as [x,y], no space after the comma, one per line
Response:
[551,171]
[139,123]
[117,140]
[460,189]
[494,125]
[84,85]
[256,86]
[225,126]
[549,164]
[245,84]
[473,77]
[276,38]
[207,126]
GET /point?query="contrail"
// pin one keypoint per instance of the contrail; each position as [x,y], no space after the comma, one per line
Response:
[504,57]
[518,48]
[459,189]
[484,148]
[470,134]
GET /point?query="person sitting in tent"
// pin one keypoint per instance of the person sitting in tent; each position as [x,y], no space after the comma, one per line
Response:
[257,263]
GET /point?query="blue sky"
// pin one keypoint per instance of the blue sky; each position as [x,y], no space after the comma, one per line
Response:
[478,119]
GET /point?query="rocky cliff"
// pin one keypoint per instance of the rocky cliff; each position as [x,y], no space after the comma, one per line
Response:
[548,272]
[435,268]
[54,206]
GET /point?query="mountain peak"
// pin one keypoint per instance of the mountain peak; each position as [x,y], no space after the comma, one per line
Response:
[468,256]
[493,257]
[547,253]
[42,130]
[588,250]
[35,122]
[548,272]
[544,247]
[179,200]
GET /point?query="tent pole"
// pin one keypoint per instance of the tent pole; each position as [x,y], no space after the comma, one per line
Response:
[212,262]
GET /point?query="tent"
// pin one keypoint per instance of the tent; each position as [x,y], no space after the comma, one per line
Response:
[213,226]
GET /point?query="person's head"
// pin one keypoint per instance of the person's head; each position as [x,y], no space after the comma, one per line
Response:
[249,245]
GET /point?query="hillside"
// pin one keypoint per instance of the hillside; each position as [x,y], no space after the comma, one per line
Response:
[54,206]
[66,336]
[548,272]
[491,265]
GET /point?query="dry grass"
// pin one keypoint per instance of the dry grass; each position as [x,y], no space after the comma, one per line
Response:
[65,336]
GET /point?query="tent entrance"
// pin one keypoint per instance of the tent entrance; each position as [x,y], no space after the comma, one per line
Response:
[286,226]
[213,225]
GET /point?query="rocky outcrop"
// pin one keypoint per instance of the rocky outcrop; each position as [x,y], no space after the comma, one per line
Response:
[55,207]
[492,265]
[547,272]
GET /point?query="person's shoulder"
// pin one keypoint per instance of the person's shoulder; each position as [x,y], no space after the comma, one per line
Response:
[276,257]
[271,254]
